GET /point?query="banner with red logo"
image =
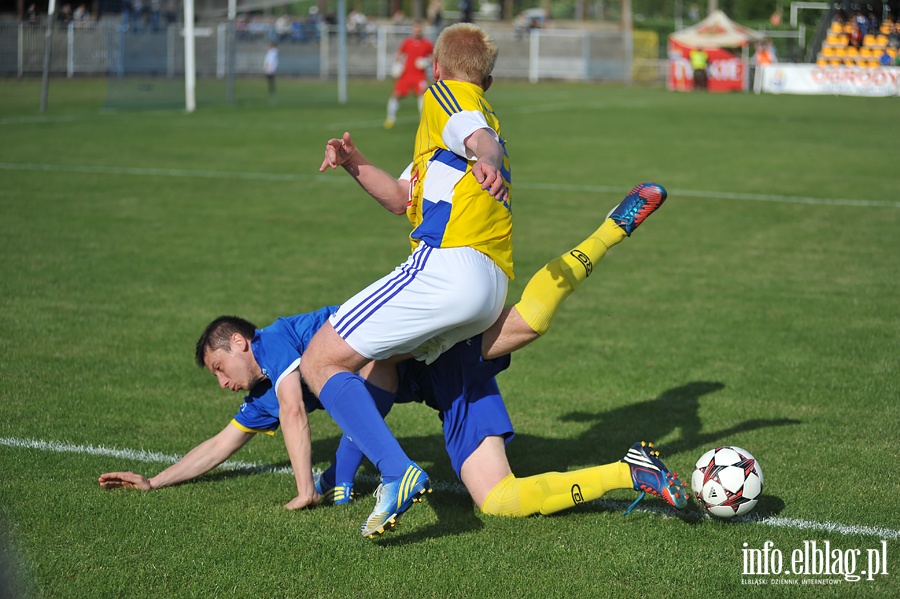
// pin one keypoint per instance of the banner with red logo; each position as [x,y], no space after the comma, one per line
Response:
[839,81]
[724,72]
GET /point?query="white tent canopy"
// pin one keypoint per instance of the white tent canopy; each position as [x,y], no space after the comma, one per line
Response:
[716,31]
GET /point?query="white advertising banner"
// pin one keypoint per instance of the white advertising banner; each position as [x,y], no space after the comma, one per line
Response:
[838,81]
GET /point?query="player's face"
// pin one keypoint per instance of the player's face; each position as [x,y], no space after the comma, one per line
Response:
[235,369]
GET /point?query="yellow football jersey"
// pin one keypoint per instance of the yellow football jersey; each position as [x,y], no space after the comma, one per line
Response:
[447,206]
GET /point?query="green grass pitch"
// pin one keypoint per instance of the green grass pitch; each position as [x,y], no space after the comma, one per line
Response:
[760,307]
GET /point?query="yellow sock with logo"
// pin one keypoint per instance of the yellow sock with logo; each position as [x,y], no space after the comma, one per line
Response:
[552,492]
[551,285]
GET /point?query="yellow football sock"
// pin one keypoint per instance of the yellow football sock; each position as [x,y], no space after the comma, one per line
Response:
[552,492]
[552,284]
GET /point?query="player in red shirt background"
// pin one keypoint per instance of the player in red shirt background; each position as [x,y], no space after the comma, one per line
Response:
[416,51]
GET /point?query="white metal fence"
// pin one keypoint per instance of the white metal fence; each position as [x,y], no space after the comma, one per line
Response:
[108,49]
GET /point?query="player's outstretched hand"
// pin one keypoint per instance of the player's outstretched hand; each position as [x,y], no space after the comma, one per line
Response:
[337,152]
[124,480]
[298,503]
[491,180]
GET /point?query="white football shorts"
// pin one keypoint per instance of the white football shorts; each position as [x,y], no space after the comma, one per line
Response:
[435,299]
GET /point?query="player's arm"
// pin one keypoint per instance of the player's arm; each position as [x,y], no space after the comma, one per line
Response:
[197,461]
[488,152]
[297,440]
[390,192]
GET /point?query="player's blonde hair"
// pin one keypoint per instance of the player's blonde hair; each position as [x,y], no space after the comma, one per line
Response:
[466,52]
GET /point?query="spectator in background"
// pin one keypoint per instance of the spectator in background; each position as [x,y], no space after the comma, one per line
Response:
[357,24]
[81,16]
[894,37]
[694,12]
[699,60]
[855,37]
[31,14]
[435,14]
[862,23]
[886,60]
[465,11]
[155,14]
[270,66]
[283,26]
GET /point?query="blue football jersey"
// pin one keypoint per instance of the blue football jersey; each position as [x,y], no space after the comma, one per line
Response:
[277,349]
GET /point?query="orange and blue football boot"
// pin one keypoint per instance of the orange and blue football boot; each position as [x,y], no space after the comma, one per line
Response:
[641,202]
[650,475]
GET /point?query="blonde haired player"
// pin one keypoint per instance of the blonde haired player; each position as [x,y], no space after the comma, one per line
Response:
[452,287]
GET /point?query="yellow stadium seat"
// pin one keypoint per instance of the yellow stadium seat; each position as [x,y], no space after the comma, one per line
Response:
[848,28]
[827,52]
[833,38]
[892,52]
[835,62]
[851,52]
[865,53]
[840,52]
[881,41]
[821,63]
[850,62]
[874,63]
[836,27]
[868,40]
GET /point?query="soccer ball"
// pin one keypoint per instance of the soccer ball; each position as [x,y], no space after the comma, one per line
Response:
[727,481]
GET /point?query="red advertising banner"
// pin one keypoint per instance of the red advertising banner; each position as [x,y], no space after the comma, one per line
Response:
[724,71]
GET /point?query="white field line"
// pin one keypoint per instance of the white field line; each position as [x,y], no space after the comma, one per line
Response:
[283,177]
[140,455]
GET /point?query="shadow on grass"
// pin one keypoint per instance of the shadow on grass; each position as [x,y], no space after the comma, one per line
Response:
[612,432]
[610,435]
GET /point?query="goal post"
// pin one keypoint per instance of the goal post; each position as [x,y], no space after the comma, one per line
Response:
[190,67]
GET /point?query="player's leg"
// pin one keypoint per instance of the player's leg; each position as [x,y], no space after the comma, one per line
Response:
[329,366]
[434,294]
[553,492]
[550,286]
[393,104]
[335,484]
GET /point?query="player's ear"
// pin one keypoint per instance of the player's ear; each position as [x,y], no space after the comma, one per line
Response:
[239,342]
[487,82]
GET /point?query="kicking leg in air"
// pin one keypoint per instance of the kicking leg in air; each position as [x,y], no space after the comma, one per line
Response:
[545,292]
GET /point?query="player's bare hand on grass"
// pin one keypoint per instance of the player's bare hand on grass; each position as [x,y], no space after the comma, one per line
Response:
[124,480]
[299,503]
[338,152]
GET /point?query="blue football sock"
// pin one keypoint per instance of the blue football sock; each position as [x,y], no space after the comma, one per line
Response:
[352,407]
[348,457]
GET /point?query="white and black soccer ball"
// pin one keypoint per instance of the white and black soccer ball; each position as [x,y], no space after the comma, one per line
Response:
[727,481]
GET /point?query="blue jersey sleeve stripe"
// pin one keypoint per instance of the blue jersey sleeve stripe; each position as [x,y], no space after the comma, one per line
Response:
[245,429]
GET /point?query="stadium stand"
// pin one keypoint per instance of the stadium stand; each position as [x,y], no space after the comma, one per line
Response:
[857,39]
